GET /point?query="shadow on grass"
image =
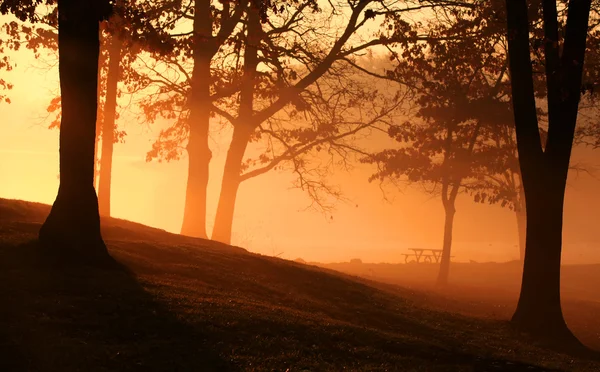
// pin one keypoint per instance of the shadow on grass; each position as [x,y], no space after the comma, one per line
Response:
[58,315]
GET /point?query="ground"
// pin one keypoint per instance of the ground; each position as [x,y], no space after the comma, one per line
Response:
[171,303]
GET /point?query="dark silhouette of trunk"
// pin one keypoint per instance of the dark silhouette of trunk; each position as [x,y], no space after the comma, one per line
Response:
[521,214]
[544,169]
[74,221]
[108,127]
[199,154]
[241,134]
[540,290]
[449,194]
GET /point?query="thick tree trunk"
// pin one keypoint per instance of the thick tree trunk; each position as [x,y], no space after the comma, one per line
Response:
[108,128]
[539,308]
[444,271]
[98,112]
[74,221]
[199,154]
[229,187]
[544,169]
[521,215]
[522,232]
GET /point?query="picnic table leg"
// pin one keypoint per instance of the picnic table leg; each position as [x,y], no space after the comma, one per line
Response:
[418,256]
[405,258]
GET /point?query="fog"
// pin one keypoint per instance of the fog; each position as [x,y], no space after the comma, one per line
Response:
[376,222]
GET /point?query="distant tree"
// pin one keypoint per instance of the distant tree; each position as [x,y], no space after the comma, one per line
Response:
[544,166]
[74,220]
[459,139]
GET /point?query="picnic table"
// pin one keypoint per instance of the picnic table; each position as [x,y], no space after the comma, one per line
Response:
[428,255]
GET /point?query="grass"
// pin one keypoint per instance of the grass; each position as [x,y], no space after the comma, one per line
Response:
[171,303]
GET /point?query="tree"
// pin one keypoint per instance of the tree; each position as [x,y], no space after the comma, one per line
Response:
[298,73]
[290,62]
[122,38]
[187,97]
[74,220]
[544,167]
[458,138]
[109,127]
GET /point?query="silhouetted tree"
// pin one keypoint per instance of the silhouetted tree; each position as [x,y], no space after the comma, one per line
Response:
[291,61]
[127,33]
[186,97]
[319,110]
[74,220]
[544,167]
[458,134]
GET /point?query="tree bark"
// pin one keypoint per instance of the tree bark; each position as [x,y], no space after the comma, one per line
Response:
[544,169]
[74,221]
[449,211]
[540,288]
[108,127]
[241,134]
[522,232]
[229,186]
[98,112]
[521,215]
[199,154]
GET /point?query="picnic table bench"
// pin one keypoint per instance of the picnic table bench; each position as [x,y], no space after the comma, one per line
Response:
[428,255]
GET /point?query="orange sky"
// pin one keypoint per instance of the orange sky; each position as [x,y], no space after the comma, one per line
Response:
[269,216]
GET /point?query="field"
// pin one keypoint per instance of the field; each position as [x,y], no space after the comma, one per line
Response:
[171,303]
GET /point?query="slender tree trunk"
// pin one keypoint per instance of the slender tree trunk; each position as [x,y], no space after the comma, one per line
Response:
[199,154]
[108,128]
[444,272]
[241,134]
[74,221]
[230,185]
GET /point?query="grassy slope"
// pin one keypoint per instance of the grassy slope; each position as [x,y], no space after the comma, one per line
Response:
[176,303]
[491,290]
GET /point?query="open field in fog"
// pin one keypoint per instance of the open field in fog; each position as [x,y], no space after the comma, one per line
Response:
[491,290]
[177,303]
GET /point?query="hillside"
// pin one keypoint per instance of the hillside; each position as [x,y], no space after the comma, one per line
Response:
[491,290]
[175,303]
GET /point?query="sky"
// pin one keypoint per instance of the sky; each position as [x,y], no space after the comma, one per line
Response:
[271,217]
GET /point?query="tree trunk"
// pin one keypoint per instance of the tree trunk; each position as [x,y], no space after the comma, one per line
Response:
[539,308]
[522,232]
[74,221]
[108,128]
[230,185]
[241,133]
[544,169]
[199,154]
[98,111]
[444,272]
